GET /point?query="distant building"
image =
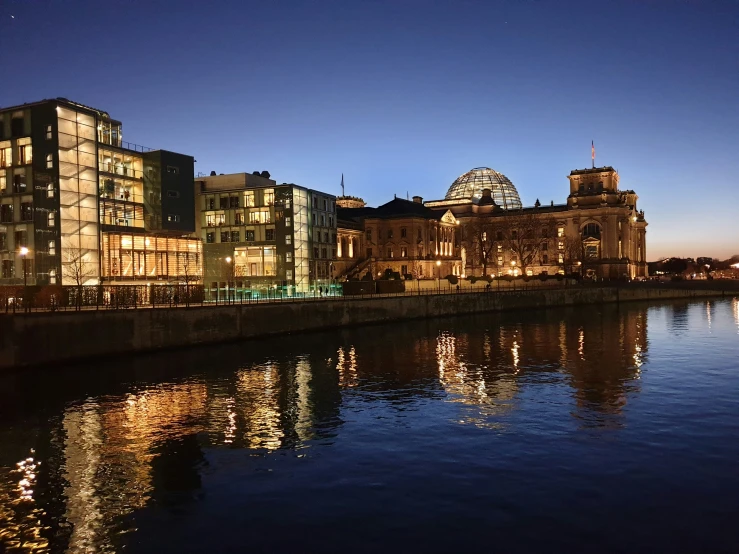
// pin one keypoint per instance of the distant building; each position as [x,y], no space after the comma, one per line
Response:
[87,206]
[259,236]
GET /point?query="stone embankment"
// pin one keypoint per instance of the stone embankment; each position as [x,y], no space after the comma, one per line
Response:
[53,338]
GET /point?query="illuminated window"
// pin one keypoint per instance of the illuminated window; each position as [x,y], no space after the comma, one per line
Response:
[288,222]
[210,220]
[52,248]
[6,154]
[289,274]
[51,219]
[239,218]
[49,161]
[403,252]
[49,134]
[389,252]
[249,199]
[173,218]
[269,197]
[561,258]
[250,235]
[210,237]
[3,184]
[500,260]
[560,232]
[289,257]
[50,190]
[484,236]
[25,151]
[3,240]
[172,169]
[52,276]
[221,219]
[560,245]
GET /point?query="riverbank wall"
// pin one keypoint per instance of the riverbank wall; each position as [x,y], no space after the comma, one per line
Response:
[52,338]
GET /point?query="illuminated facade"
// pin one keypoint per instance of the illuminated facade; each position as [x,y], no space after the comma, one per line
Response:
[87,206]
[403,236]
[598,233]
[260,236]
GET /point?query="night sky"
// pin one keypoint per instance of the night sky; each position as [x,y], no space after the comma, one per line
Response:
[404,96]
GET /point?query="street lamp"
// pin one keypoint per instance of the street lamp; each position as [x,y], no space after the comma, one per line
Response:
[24,253]
[228,282]
[438,275]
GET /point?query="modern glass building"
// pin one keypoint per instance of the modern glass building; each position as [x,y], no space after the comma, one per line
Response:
[260,237]
[78,205]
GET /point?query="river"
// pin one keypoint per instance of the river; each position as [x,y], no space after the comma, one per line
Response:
[607,428]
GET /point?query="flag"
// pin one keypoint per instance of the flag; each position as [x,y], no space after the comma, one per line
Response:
[592,150]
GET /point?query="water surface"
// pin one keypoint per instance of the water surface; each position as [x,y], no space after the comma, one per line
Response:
[610,429]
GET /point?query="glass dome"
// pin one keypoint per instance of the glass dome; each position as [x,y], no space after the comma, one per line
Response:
[471,184]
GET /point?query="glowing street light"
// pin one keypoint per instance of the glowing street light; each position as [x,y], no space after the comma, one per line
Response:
[24,254]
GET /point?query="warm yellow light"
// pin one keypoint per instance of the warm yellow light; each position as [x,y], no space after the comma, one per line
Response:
[579,263]
[513,262]
[24,251]
[228,259]
[438,262]
[634,218]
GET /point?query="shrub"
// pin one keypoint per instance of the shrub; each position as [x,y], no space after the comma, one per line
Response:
[453,280]
[473,279]
[559,276]
[543,276]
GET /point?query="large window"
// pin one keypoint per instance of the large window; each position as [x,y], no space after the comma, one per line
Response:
[6,154]
[26,211]
[19,181]
[127,257]
[3,184]
[6,213]
[25,151]
[269,197]
[255,261]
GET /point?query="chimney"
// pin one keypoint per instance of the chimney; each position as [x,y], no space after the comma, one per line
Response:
[418,200]
[212,173]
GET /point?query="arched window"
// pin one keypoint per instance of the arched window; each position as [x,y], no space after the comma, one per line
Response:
[591,230]
[49,161]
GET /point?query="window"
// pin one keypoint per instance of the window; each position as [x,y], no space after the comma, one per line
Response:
[560,245]
[544,246]
[250,235]
[3,241]
[210,203]
[403,232]
[313,218]
[544,259]
[6,213]
[49,132]
[7,269]
[21,239]
[289,274]
[330,221]
[514,235]
[19,181]
[173,170]
[591,230]
[544,233]
[210,237]
[323,220]
[3,184]
[223,202]
[270,234]
[26,211]
[49,161]
[620,250]
[289,257]
[561,258]
[269,197]
[500,248]
[16,124]
[389,233]
[50,190]
[52,276]
[325,237]
[324,253]
[239,218]
[500,260]
[51,219]
[325,204]
[315,252]
[210,220]
[233,202]
[235,236]
[249,199]
[6,154]
[499,235]
[288,222]
[369,252]
[25,151]
[225,236]
[369,234]
[52,248]
[220,219]
[403,252]
[173,193]
[173,218]
[404,270]
[389,252]
[591,251]
[560,232]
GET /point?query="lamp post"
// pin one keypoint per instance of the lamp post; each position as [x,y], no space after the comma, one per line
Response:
[438,276]
[24,253]
[228,281]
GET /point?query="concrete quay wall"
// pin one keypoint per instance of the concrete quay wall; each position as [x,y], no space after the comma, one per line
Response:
[46,338]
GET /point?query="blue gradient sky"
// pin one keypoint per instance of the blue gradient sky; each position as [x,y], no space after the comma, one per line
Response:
[404,96]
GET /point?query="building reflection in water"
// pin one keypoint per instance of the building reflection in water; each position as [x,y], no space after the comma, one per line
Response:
[735,309]
[107,455]
[598,354]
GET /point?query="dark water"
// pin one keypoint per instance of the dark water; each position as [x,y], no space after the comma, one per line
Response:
[608,429]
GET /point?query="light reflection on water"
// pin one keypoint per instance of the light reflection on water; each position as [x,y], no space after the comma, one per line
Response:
[101,450]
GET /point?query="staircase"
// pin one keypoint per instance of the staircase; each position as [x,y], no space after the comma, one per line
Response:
[356,270]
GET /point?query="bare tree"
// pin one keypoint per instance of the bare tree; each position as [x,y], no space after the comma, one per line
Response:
[481,236]
[570,253]
[191,273]
[524,234]
[78,270]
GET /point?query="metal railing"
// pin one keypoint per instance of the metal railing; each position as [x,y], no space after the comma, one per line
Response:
[17,299]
